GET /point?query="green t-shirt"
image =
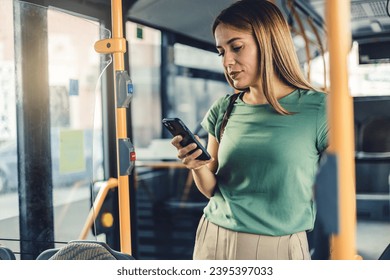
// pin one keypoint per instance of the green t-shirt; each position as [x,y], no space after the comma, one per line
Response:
[267,164]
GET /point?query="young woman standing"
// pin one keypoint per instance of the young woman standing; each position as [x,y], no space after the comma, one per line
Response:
[261,175]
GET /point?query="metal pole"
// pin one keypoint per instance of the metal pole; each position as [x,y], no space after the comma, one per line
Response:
[340,114]
[36,220]
[121,133]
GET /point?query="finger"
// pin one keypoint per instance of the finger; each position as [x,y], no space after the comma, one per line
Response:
[189,148]
[176,141]
[183,152]
[193,156]
[191,163]
[180,155]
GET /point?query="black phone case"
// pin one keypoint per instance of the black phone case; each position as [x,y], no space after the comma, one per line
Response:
[177,127]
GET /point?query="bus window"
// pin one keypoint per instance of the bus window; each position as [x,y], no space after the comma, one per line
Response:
[368,79]
[197,83]
[75,116]
[145,65]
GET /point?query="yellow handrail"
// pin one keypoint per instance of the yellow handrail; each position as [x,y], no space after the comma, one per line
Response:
[340,114]
[97,205]
[117,46]
[121,133]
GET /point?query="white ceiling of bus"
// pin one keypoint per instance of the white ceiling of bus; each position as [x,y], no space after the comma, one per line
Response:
[194,17]
[189,17]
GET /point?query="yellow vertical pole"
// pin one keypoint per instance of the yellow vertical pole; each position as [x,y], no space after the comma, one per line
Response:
[340,114]
[121,133]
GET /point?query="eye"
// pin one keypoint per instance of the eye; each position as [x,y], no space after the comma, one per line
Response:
[237,49]
[221,54]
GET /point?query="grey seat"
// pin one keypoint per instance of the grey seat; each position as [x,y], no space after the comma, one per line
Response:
[84,250]
[6,254]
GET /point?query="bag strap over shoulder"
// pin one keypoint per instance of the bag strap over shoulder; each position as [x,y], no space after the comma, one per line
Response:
[227,113]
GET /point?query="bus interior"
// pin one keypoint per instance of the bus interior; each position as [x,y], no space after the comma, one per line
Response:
[58,135]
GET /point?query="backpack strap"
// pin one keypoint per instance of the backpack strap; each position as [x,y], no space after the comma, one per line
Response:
[232,100]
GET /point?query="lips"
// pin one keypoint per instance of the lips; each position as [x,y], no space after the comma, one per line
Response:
[233,75]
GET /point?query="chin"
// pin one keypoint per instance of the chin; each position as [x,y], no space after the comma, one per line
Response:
[239,86]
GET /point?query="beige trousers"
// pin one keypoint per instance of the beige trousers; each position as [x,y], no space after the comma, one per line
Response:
[216,243]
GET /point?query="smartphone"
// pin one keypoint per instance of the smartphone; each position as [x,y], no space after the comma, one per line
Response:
[177,127]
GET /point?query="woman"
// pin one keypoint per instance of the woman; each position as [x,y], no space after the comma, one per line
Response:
[262,171]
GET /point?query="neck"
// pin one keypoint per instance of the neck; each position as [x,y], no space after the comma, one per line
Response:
[255,95]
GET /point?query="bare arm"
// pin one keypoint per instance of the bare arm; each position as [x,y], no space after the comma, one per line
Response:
[202,170]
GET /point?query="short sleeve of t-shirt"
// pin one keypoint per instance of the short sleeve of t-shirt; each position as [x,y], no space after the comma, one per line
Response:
[322,127]
[213,118]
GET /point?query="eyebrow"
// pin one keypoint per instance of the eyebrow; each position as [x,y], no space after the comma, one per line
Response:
[230,41]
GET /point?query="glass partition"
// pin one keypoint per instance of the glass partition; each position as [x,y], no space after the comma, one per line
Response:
[76,121]
[52,69]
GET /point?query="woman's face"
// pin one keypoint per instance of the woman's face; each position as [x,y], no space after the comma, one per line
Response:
[239,53]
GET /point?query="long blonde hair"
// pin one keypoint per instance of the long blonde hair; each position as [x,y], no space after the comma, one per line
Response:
[276,49]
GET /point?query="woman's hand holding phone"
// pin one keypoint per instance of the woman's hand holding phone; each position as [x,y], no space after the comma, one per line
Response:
[190,150]
[189,154]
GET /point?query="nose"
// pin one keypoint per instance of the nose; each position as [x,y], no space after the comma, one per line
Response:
[228,59]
